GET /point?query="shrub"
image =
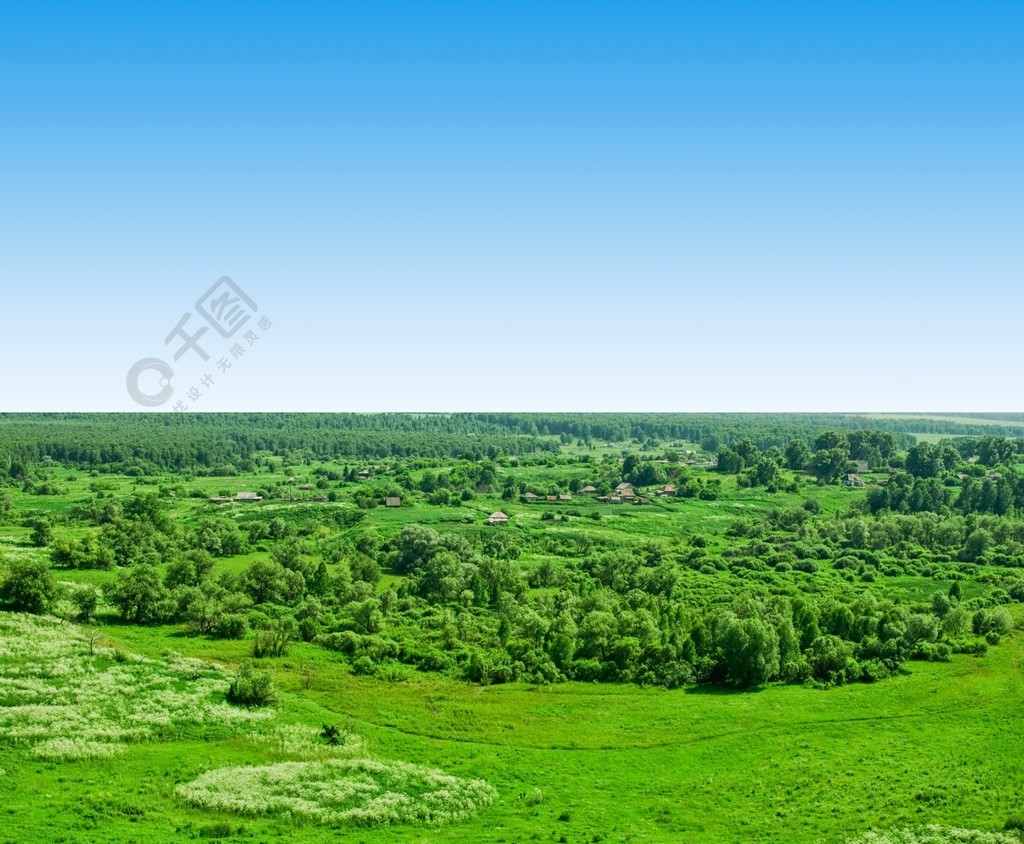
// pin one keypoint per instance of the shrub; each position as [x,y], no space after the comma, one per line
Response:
[29,586]
[251,688]
[232,626]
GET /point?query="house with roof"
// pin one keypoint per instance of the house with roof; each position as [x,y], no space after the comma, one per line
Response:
[668,489]
[392,501]
[248,496]
[853,480]
[498,518]
[529,497]
[588,490]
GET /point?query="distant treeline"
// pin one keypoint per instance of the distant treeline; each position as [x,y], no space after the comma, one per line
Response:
[712,430]
[208,442]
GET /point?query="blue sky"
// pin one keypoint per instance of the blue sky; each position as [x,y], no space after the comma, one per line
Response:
[531,206]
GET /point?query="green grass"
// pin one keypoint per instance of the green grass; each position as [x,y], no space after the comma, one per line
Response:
[940,744]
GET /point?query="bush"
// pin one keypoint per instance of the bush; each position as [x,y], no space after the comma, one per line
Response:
[29,586]
[232,626]
[251,688]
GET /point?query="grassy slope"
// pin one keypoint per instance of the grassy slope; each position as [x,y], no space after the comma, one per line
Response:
[941,744]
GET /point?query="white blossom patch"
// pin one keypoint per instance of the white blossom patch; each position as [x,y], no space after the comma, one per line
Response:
[68,699]
[365,792]
[934,835]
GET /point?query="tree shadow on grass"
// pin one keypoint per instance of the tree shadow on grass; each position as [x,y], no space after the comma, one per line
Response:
[720,690]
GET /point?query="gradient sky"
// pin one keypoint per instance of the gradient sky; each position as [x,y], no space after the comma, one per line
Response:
[519,206]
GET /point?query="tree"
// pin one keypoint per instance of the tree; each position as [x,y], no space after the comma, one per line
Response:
[766,472]
[29,586]
[833,440]
[750,650]
[729,461]
[274,637]
[832,660]
[42,533]
[86,600]
[830,464]
[137,594]
[263,581]
[798,454]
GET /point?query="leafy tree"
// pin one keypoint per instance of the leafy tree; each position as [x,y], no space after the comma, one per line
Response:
[42,532]
[138,594]
[830,464]
[766,472]
[729,461]
[29,586]
[832,661]
[798,454]
[274,637]
[750,650]
[833,441]
[86,601]
[264,582]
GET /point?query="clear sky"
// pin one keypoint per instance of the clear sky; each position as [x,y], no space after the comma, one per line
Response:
[521,206]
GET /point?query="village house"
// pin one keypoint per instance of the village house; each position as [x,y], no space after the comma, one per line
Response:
[588,490]
[529,497]
[392,501]
[498,518]
[853,480]
[565,497]
[668,489]
[248,496]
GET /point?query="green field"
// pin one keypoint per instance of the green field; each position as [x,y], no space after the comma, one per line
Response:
[941,745]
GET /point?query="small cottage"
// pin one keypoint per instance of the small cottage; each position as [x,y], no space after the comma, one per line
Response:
[498,518]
